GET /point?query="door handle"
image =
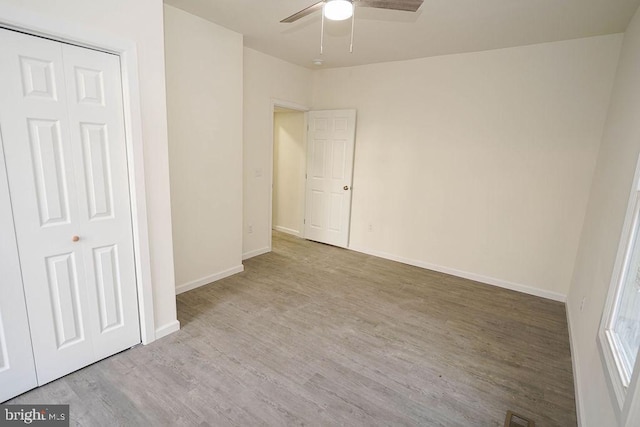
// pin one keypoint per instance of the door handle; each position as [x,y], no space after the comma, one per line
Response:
[345,188]
[75,238]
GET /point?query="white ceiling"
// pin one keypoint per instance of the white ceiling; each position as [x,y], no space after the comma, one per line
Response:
[439,27]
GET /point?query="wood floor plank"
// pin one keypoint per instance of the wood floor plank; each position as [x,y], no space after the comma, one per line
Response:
[311,334]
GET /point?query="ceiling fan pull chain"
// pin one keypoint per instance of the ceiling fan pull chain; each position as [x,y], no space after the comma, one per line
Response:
[353,24]
[322,31]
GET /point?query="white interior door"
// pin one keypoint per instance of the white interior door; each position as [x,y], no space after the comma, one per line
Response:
[61,117]
[330,149]
[17,371]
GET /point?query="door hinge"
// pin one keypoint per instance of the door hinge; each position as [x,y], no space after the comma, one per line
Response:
[304,221]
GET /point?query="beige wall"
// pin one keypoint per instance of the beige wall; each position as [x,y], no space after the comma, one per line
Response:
[204,98]
[139,22]
[289,166]
[478,164]
[266,79]
[601,232]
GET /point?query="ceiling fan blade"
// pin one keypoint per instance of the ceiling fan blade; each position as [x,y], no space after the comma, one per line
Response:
[406,5]
[304,12]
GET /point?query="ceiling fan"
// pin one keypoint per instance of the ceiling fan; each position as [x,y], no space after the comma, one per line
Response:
[338,10]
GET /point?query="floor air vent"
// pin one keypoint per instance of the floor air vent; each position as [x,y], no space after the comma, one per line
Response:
[515,420]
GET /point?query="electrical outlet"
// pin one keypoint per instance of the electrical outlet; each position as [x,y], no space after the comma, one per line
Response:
[250,228]
[582,303]
[370,228]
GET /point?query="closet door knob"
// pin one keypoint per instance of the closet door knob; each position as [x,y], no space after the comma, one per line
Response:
[75,238]
[345,188]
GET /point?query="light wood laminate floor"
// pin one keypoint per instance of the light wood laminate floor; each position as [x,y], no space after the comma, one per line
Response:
[310,334]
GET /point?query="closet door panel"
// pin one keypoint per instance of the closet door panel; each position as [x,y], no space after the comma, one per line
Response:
[94,91]
[17,370]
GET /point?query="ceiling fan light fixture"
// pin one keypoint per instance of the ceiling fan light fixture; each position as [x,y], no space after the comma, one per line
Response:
[338,10]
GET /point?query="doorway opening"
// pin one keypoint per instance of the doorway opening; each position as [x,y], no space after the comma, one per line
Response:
[288,168]
[311,173]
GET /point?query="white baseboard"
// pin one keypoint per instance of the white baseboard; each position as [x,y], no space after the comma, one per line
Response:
[208,279]
[574,363]
[167,329]
[467,275]
[257,252]
[287,230]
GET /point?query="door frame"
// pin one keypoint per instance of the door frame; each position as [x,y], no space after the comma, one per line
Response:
[61,31]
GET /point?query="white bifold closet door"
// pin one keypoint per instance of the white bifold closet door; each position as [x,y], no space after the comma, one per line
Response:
[62,128]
